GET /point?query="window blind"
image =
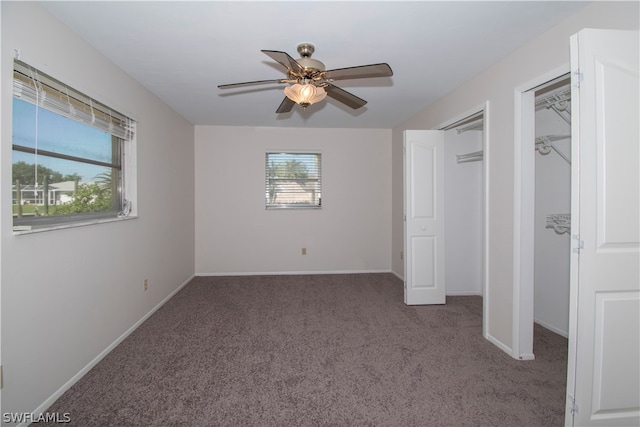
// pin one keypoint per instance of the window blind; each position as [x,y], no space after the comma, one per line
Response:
[293,180]
[44,91]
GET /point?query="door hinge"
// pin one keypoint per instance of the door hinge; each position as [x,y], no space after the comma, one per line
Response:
[579,77]
[573,406]
[579,243]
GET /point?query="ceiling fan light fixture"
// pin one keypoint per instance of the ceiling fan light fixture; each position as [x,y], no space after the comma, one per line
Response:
[305,94]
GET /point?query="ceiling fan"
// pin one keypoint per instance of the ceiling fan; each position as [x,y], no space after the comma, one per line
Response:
[310,82]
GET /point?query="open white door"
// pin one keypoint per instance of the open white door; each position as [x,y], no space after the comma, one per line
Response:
[604,330]
[424,268]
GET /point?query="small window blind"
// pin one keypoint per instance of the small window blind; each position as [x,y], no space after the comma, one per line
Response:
[39,89]
[293,180]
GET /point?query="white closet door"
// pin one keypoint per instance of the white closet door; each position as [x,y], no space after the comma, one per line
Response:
[604,330]
[424,269]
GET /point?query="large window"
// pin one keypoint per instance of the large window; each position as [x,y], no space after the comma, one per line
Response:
[293,180]
[68,154]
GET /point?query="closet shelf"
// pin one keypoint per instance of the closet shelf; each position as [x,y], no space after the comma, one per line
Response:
[561,97]
[559,101]
[561,223]
[477,125]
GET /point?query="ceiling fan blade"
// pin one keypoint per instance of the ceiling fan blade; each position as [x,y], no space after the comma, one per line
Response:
[285,60]
[257,82]
[359,72]
[285,106]
[343,96]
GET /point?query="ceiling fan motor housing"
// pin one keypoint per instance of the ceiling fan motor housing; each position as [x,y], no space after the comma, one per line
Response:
[306,50]
[311,64]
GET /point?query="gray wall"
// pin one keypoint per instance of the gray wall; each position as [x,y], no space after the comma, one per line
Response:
[236,234]
[68,295]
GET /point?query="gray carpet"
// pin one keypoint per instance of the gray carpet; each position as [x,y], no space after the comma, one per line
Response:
[319,350]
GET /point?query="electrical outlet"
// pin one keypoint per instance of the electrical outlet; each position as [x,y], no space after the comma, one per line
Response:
[145,284]
[304,251]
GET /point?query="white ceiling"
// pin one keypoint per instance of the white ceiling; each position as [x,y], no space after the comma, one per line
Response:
[182,51]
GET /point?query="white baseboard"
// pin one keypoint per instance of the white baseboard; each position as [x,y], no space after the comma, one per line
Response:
[51,399]
[288,273]
[551,328]
[464,293]
[398,275]
[493,340]
[499,344]
[527,356]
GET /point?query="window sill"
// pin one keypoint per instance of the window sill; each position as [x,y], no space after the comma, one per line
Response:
[276,207]
[20,230]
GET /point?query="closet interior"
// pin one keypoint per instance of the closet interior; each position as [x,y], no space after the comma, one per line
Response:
[463,206]
[552,232]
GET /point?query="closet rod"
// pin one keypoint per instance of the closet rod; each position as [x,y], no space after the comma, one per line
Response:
[470,157]
[544,144]
[474,118]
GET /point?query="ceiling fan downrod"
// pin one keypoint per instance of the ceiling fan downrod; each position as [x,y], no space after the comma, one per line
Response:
[306,50]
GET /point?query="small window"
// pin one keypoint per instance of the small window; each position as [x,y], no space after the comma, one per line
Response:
[294,180]
[68,154]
